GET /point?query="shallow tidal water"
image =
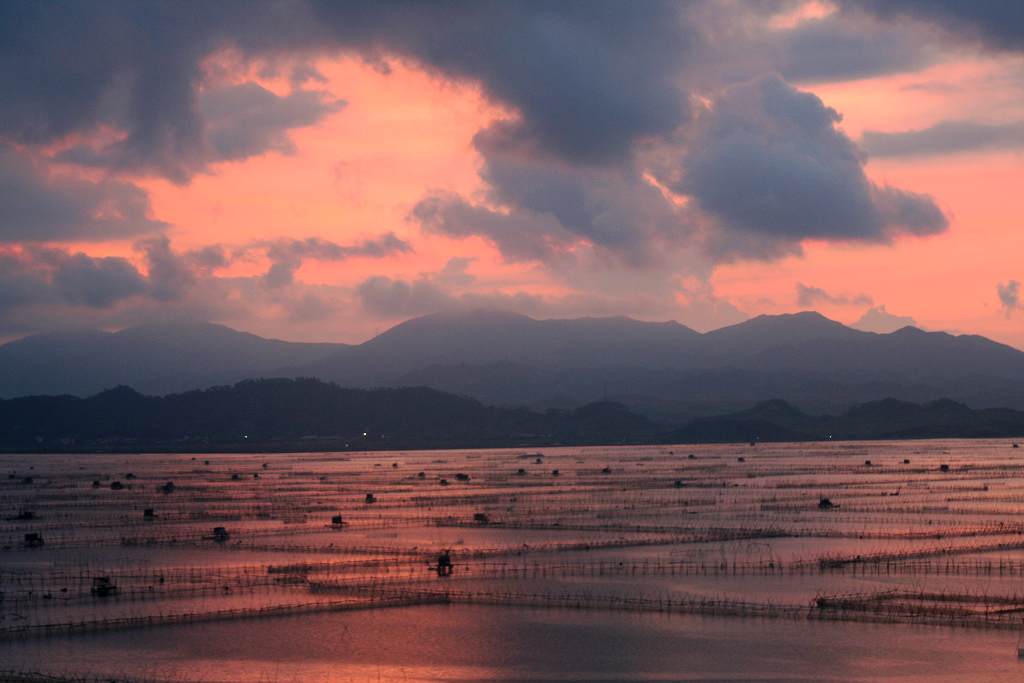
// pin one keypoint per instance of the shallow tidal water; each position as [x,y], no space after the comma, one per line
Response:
[585,575]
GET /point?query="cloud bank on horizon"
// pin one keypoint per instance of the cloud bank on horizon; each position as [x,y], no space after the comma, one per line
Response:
[658,159]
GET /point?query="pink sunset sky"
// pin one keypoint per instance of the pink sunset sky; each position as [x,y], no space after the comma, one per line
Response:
[309,175]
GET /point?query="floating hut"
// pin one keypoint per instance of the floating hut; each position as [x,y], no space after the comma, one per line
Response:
[444,563]
[103,587]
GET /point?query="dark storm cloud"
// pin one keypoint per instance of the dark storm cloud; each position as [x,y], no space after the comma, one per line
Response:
[946,137]
[1009,296]
[769,163]
[286,256]
[97,282]
[46,276]
[395,298]
[391,298]
[740,41]
[998,23]
[614,209]
[807,295]
[21,282]
[538,208]
[838,48]
[46,287]
[69,67]
[519,236]
[40,206]
[247,120]
[587,79]
[209,258]
[239,121]
[387,297]
[766,167]
[171,275]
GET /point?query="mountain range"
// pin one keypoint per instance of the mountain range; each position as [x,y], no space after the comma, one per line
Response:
[665,371]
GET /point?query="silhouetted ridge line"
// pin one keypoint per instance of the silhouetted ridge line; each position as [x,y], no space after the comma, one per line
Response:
[665,371]
[307,414]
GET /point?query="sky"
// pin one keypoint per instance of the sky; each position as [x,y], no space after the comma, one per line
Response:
[320,171]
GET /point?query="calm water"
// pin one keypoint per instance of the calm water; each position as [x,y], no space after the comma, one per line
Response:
[936,551]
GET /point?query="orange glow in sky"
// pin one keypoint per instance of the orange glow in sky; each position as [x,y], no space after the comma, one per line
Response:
[405,132]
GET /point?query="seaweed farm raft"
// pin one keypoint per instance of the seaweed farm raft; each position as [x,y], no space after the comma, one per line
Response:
[854,561]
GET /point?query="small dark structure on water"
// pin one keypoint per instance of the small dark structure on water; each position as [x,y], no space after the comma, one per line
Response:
[167,488]
[481,518]
[944,467]
[370,498]
[220,534]
[521,472]
[444,563]
[148,514]
[33,540]
[826,504]
[103,587]
[555,473]
[461,477]
[116,486]
[337,521]
[96,483]
[606,470]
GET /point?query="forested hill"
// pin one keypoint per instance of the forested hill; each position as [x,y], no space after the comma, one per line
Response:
[308,414]
[299,414]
